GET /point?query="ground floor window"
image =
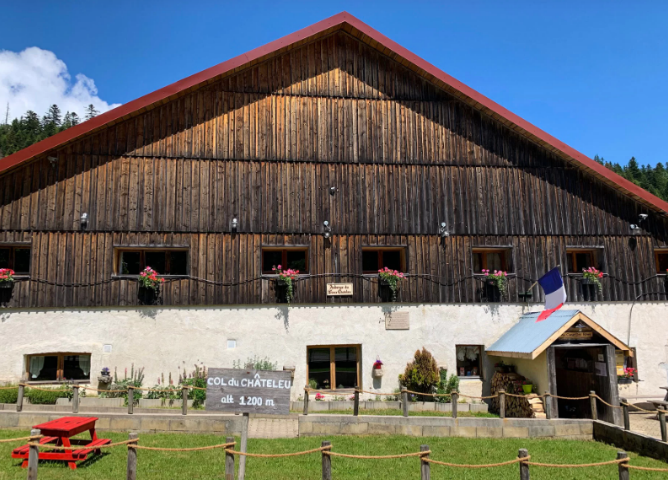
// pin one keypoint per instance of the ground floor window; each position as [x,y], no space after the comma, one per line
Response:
[57,367]
[333,367]
[469,360]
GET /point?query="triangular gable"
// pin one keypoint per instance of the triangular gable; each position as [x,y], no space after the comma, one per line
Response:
[529,338]
[353,26]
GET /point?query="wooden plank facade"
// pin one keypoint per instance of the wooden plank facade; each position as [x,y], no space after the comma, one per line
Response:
[266,144]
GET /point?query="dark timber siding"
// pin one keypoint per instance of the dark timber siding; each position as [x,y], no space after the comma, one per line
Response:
[267,143]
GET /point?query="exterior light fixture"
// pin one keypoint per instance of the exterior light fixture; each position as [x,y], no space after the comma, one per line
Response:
[443,230]
[642,217]
[634,228]
[52,160]
[327,229]
[332,190]
[84,220]
[234,224]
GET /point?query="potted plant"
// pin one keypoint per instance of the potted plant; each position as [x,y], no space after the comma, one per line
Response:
[628,376]
[105,376]
[527,386]
[377,370]
[149,286]
[285,282]
[495,284]
[6,284]
[319,397]
[390,278]
[591,282]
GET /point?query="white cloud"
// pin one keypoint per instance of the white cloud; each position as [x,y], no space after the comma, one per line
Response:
[34,79]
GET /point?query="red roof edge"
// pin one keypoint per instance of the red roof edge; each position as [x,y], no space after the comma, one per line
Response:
[333,22]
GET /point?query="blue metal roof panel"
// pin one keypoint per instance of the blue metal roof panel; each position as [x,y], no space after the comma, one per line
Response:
[527,334]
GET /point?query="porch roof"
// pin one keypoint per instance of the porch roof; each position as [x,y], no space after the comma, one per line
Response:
[528,338]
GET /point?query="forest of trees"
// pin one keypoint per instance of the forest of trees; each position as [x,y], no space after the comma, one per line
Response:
[23,132]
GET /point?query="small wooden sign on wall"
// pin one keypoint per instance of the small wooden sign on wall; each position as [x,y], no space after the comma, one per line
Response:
[339,289]
[397,321]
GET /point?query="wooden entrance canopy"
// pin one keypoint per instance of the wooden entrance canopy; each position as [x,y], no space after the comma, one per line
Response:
[528,338]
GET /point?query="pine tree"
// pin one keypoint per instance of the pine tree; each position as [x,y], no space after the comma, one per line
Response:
[91,112]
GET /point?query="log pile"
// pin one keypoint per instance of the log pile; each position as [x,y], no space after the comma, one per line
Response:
[527,406]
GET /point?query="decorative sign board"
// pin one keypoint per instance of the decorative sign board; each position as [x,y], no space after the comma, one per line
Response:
[577,333]
[339,289]
[248,391]
[397,321]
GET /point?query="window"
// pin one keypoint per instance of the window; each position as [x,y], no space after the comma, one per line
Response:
[373,259]
[333,367]
[580,258]
[295,258]
[469,360]
[491,259]
[661,261]
[15,258]
[165,262]
[57,367]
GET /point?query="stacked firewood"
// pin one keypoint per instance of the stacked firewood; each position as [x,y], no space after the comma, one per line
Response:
[526,406]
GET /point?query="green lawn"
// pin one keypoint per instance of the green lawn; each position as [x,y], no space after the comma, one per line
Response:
[398,413]
[210,464]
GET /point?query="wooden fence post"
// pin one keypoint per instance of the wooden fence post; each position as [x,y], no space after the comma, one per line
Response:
[592,402]
[184,397]
[131,400]
[229,461]
[404,401]
[625,412]
[326,462]
[662,424]
[132,457]
[356,406]
[425,466]
[33,455]
[306,401]
[75,398]
[524,468]
[502,403]
[454,399]
[623,471]
[548,406]
[19,399]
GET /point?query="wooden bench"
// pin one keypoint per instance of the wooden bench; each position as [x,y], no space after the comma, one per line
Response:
[22,452]
[83,453]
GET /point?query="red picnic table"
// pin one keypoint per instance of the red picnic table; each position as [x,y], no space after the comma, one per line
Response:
[59,432]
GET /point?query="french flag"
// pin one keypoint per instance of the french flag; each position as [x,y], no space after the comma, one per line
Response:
[555,293]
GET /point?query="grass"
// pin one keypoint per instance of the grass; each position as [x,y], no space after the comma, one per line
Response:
[210,464]
[398,413]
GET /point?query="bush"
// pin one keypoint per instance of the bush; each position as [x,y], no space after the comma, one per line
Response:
[256,363]
[422,374]
[446,385]
[196,379]
[47,396]
[9,396]
[136,379]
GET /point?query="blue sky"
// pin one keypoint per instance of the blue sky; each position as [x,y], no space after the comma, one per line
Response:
[593,74]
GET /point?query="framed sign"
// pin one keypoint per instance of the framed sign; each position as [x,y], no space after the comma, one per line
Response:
[397,321]
[248,391]
[339,289]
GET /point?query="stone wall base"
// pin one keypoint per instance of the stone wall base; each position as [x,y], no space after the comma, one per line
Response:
[630,441]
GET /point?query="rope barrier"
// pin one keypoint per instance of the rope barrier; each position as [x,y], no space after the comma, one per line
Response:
[488,465]
[193,449]
[378,457]
[569,398]
[477,398]
[378,393]
[636,407]
[280,455]
[578,465]
[20,439]
[9,388]
[647,469]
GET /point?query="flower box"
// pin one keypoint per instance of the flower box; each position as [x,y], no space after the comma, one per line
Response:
[492,291]
[6,290]
[377,372]
[148,295]
[104,379]
[589,290]
[624,380]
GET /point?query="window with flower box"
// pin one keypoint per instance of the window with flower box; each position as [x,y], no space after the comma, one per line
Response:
[58,367]
[376,258]
[15,258]
[333,367]
[661,261]
[293,258]
[581,258]
[132,261]
[491,259]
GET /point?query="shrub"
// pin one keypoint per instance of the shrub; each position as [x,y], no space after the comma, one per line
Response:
[256,363]
[44,397]
[446,385]
[421,375]
[136,379]
[196,379]
[9,396]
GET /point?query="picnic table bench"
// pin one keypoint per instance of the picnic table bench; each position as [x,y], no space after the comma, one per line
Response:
[60,432]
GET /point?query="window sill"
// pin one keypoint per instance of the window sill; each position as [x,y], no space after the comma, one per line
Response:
[135,277]
[274,276]
[470,377]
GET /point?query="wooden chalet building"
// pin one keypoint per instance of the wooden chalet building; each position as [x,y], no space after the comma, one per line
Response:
[338,152]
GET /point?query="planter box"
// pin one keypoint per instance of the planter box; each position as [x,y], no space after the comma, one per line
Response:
[377,372]
[492,292]
[161,403]
[624,381]
[94,402]
[385,292]
[6,290]
[148,296]
[589,290]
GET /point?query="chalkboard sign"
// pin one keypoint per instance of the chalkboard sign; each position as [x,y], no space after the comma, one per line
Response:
[248,391]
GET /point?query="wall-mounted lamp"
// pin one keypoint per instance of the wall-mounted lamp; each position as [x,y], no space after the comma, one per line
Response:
[84,220]
[332,190]
[52,160]
[635,229]
[642,217]
[327,229]
[443,230]
[234,224]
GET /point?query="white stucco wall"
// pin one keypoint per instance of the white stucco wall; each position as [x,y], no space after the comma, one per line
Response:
[164,340]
